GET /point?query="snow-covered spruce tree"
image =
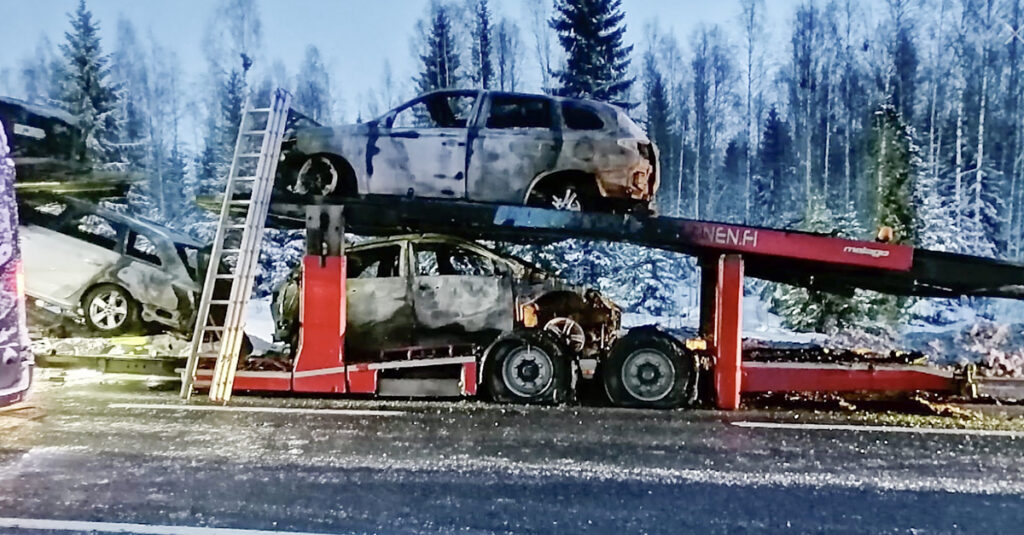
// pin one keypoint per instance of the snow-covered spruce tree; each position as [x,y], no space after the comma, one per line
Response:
[815,310]
[86,91]
[659,125]
[313,87]
[773,195]
[440,57]
[895,161]
[483,66]
[597,61]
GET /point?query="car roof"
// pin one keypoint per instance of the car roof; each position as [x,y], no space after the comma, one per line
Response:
[136,223]
[587,101]
[47,112]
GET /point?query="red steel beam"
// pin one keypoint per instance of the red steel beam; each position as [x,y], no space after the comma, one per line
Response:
[728,331]
[796,245]
[813,377]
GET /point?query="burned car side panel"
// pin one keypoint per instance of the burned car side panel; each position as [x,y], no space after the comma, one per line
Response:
[380,314]
[459,290]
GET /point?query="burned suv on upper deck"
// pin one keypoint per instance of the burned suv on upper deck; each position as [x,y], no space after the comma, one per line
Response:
[481,146]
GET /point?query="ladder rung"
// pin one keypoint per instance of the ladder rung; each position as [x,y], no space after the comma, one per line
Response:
[222,301]
[213,328]
[254,132]
[234,227]
[249,155]
[241,202]
[260,110]
[224,276]
[245,178]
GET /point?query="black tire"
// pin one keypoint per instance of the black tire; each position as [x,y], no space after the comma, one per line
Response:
[528,366]
[649,369]
[110,310]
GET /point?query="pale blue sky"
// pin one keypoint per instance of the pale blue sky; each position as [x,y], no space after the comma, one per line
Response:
[355,36]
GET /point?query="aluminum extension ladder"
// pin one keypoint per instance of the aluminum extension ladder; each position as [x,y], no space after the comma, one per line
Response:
[236,247]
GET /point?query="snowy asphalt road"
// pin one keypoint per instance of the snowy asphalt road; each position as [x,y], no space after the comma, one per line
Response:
[88,452]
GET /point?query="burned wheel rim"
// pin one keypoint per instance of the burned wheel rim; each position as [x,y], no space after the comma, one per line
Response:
[648,375]
[528,371]
[566,199]
[108,310]
[318,176]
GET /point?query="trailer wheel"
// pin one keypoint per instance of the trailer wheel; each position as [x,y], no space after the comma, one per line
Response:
[649,369]
[527,367]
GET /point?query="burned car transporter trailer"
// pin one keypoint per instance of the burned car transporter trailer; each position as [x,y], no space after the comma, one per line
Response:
[727,253]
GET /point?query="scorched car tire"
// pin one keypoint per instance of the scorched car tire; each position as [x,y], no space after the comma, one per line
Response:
[527,367]
[110,310]
[649,369]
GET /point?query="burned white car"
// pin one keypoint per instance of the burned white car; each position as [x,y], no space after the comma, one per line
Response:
[481,146]
[429,290]
[119,272]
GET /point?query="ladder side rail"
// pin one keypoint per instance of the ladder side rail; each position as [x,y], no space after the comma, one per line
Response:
[248,255]
[213,269]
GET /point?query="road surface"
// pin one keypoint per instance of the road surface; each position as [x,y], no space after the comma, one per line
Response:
[105,455]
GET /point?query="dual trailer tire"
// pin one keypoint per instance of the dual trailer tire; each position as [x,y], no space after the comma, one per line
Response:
[645,369]
[650,369]
[527,366]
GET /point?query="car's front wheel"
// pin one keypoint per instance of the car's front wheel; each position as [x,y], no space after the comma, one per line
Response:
[110,310]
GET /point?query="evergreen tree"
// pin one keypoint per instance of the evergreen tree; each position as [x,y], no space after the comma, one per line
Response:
[313,87]
[775,172]
[87,93]
[440,57]
[483,67]
[597,62]
[816,309]
[659,125]
[894,164]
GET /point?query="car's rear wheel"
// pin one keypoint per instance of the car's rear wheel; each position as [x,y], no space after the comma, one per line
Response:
[527,367]
[320,176]
[110,310]
[569,197]
[648,369]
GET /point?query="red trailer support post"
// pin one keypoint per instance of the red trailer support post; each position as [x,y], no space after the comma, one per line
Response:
[728,331]
[320,364]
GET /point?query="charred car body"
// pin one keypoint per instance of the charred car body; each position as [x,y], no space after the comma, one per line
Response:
[481,146]
[431,289]
[120,271]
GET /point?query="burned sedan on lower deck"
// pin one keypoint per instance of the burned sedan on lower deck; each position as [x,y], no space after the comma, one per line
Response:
[481,146]
[120,271]
[431,290]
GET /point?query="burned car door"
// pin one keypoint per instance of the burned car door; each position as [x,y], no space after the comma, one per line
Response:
[516,141]
[60,261]
[422,148]
[151,277]
[457,291]
[379,306]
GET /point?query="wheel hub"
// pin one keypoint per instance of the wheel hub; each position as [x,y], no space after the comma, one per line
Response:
[108,310]
[528,371]
[648,375]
